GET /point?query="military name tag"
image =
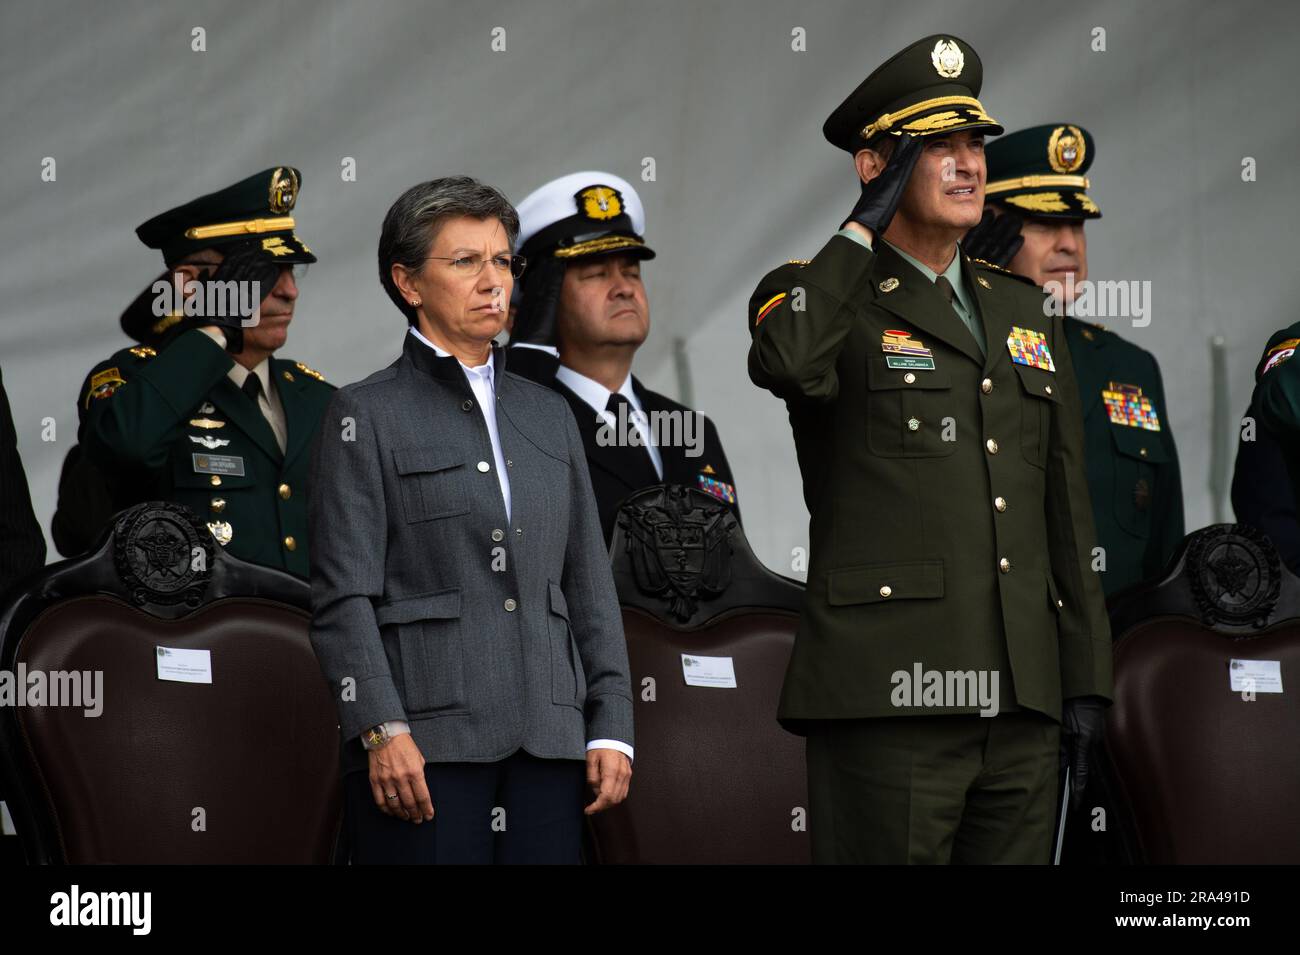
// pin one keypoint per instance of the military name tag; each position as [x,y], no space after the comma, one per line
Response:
[1028,347]
[1126,405]
[909,363]
[218,464]
[905,352]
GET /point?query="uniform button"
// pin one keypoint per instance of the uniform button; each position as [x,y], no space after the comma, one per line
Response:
[509,463]
[1060,603]
[497,534]
[519,531]
[1004,565]
[216,480]
[1000,503]
[218,505]
[290,543]
[285,491]
[986,385]
[510,604]
[991,445]
[909,378]
[1048,389]
[913,424]
[1142,452]
[484,466]
[886,590]
[466,405]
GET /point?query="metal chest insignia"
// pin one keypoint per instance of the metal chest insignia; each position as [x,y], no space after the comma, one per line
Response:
[1126,405]
[1028,347]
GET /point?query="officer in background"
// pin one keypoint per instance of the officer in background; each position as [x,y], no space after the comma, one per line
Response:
[1034,226]
[1275,452]
[937,425]
[582,315]
[210,418]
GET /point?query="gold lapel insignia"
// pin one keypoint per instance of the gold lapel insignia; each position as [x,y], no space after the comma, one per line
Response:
[983,281]
[308,371]
[208,423]
[708,469]
[288,376]
[889,284]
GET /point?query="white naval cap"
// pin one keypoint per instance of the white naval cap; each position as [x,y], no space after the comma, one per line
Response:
[583,213]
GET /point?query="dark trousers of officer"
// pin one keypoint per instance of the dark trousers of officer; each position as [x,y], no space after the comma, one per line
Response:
[517,810]
[933,789]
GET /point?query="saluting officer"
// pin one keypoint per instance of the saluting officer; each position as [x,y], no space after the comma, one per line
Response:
[1038,203]
[582,315]
[937,424]
[210,418]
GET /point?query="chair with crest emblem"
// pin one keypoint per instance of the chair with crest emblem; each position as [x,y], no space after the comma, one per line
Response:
[227,753]
[716,779]
[1201,760]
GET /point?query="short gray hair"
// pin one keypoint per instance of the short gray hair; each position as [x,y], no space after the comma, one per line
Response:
[413,222]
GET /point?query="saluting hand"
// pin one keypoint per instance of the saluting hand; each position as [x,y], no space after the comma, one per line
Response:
[880,197]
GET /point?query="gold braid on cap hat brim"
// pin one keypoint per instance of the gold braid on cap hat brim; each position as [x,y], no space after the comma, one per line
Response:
[929,123]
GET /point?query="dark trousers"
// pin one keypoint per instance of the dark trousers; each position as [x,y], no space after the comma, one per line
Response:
[521,809]
[933,789]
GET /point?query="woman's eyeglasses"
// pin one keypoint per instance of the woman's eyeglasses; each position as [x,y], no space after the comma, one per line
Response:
[473,263]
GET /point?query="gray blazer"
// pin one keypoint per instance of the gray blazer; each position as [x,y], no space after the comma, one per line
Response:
[427,605]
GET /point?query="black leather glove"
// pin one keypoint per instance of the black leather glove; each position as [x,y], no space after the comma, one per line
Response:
[996,239]
[244,262]
[535,319]
[880,197]
[1083,722]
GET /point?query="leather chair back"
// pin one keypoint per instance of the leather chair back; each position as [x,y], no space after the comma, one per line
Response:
[241,769]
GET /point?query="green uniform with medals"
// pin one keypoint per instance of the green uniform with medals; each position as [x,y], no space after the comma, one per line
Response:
[172,426]
[1133,474]
[167,423]
[940,445]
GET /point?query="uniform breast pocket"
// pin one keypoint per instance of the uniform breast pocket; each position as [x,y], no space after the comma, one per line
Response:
[432,482]
[1139,455]
[430,640]
[909,412]
[1040,399]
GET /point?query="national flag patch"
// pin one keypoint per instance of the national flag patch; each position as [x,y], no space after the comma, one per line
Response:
[770,304]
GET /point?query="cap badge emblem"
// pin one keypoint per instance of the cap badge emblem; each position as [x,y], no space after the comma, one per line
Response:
[1066,148]
[600,202]
[947,58]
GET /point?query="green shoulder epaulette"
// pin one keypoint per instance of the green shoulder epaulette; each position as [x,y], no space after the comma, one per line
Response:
[1003,271]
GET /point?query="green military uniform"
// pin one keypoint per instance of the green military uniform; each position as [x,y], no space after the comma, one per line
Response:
[1132,462]
[950,524]
[1275,404]
[169,423]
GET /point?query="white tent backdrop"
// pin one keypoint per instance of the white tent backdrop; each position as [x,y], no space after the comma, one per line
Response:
[137,122]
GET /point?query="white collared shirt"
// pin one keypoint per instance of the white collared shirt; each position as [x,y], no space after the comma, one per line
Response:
[268,402]
[482,384]
[597,396]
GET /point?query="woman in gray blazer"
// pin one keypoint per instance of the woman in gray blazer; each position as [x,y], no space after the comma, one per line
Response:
[463,605]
